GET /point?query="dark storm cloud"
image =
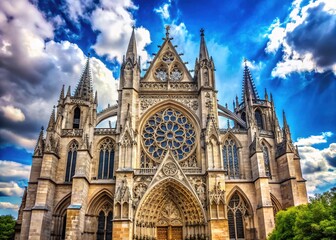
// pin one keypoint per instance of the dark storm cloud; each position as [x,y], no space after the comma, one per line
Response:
[316,35]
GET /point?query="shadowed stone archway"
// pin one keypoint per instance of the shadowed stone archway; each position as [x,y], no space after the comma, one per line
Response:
[170,211]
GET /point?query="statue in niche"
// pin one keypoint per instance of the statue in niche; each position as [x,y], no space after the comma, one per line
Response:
[123,192]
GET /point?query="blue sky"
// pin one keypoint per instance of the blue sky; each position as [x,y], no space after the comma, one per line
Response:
[290,47]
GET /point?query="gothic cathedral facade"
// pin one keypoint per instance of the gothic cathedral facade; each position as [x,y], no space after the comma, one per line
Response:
[166,170]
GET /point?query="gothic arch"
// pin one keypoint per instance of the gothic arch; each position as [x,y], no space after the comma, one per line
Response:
[242,194]
[263,140]
[240,215]
[229,134]
[276,204]
[157,198]
[98,200]
[172,104]
[59,218]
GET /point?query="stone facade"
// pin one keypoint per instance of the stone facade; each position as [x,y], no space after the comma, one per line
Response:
[166,171]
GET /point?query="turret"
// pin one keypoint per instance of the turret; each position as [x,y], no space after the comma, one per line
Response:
[248,85]
[84,88]
[204,67]
[130,67]
[285,130]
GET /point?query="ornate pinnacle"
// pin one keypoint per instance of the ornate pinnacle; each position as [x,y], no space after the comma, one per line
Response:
[167,31]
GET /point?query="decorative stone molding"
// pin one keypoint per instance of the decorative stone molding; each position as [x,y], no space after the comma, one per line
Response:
[72,132]
[147,101]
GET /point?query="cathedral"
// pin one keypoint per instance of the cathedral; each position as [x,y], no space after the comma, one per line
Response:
[165,171]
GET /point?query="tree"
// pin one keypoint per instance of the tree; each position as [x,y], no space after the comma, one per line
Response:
[313,221]
[7,224]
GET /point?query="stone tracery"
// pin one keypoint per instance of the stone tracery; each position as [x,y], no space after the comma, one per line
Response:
[169,129]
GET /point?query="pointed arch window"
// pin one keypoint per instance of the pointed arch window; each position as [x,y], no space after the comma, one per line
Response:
[76,119]
[71,161]
[104,231]
[231,159]
[106,159]
[258,117]
[237,210]
[266,160]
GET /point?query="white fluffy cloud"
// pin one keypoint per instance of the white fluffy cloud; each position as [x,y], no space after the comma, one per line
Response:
[314,139]
[8,205]
[33,68]
[318,165]
[163,10]
[113,20]
[10,189]
[297,37]
[13,113]
[13,170]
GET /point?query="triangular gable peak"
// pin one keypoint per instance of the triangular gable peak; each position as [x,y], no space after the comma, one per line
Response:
[167,66]
[170,168]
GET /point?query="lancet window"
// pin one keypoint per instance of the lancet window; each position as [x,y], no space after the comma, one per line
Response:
[258,118]
[231,159]
[106,159]
[104,226]
[237,210]
[76,119]
[266,160]
[71,161]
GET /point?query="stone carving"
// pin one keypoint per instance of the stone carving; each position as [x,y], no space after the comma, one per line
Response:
[191,162]
[123,192]
[138,191]
[107,207]
[170,215]
[217,195]
[199,185]
[148,101]
[170,169]
[72,132]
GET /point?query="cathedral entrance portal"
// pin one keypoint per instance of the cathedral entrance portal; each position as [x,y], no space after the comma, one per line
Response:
[170,211]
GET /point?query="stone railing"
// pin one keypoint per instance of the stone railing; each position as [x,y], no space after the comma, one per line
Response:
[75,132]
[104,131]
[189,170]
[145,171]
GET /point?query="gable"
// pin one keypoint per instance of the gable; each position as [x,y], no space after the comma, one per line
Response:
[167,66]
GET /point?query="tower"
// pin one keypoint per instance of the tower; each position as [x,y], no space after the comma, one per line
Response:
[166,171]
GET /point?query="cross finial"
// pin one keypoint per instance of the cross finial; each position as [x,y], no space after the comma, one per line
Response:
[245,61]
[133,26]
[202,31]
[167,31]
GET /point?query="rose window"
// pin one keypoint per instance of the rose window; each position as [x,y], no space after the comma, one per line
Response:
[176,74]
[161,73]
[168,57]
[169,129]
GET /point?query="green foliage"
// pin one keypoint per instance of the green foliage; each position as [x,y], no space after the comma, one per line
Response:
[313,221]
[7,224]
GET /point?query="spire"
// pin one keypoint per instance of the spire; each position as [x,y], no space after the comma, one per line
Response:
[84,87]
[61,97]
[51,120]
[248,85]
[132,49]
[266,95]
[68,94]
[203,54]
[39,148]
[286,131]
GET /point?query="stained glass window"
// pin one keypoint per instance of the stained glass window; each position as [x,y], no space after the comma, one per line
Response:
[106,159]
[71,161]
[258,118]
[169,129]
[266,160]
[104,231]
[76,119]
[237,209]
[231,159]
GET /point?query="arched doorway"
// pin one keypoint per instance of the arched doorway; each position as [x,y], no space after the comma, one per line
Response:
[170,211]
